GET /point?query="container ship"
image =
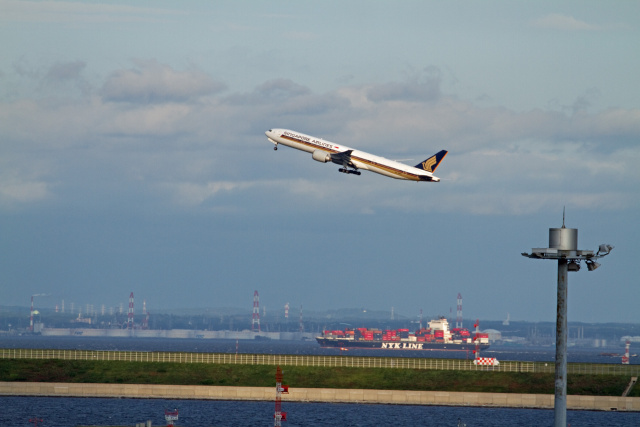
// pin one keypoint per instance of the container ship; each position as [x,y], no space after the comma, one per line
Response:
[436,337]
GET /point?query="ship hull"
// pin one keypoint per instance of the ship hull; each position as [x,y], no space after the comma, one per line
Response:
[399,345]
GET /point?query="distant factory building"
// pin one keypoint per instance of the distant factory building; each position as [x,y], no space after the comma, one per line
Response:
[494,335]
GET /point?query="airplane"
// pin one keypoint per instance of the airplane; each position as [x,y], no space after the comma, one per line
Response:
[353,160]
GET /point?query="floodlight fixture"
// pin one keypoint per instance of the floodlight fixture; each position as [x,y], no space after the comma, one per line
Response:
[592,265]
[605,249]
[573,266]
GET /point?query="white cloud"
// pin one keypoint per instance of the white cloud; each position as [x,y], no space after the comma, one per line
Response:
[24,180]
[418,88]
[558,21]
[194,194]
[209,152]
[155,82]
[21,192]
[81,12]
[66,70]
[152,120]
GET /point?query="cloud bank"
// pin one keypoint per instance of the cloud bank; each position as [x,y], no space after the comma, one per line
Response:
[180,136]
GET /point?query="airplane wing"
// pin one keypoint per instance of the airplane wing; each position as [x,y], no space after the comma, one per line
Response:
[343,158]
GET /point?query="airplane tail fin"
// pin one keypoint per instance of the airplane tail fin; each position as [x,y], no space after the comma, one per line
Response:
[432,163]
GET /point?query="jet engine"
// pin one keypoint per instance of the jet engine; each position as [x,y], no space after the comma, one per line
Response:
[321,156]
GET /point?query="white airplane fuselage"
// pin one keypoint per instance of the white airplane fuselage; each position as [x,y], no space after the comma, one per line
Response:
[322,151]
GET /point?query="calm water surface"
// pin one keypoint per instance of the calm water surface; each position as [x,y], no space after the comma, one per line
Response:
[71,412]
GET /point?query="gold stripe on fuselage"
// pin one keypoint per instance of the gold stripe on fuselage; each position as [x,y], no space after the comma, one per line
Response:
[404,174]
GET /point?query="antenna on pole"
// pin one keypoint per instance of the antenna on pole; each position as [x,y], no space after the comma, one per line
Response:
[563,208]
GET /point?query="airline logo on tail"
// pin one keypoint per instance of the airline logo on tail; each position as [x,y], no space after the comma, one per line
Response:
[431,164]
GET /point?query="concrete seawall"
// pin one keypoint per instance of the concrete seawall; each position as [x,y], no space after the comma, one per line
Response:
[396,397]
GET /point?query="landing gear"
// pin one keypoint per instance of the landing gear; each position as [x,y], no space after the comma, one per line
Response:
[348,171]
[275,148]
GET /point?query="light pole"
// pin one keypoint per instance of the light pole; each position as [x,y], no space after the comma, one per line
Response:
[563,247]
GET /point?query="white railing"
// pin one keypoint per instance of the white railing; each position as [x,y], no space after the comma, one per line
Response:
[319,361]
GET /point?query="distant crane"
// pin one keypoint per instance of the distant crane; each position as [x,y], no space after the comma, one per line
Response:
[145,314]
[130,314]
[459,312]
[301,323]
[506,321]
[255,318]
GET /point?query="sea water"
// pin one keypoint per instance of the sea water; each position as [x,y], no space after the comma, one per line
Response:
[72,412]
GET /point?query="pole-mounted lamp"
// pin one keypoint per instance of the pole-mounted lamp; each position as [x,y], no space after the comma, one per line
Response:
[563,247]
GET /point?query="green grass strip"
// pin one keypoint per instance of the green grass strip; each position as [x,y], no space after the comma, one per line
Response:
[76,371]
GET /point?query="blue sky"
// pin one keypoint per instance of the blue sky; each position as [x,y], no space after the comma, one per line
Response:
[133,155]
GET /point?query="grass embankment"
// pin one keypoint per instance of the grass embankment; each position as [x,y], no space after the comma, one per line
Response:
[74,371]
